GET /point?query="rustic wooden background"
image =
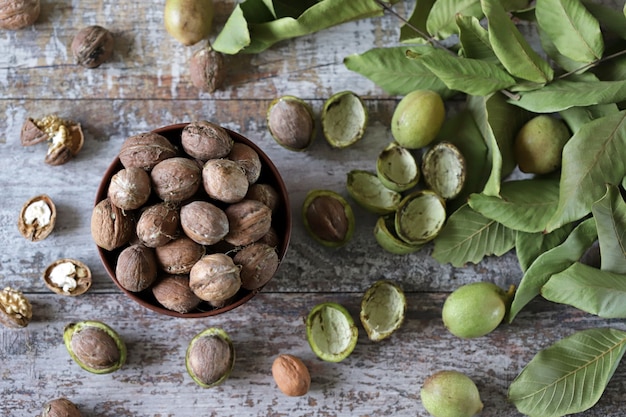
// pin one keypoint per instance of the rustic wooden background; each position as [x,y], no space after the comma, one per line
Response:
[146,85]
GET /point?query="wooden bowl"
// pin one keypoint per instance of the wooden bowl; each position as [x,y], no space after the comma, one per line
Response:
[281,222]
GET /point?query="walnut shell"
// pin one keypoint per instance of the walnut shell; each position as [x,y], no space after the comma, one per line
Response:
[65,137]
[258,263]
[60,407]
[205,140]
[176,179]
[215,277]
[203,222]
[92,46]
[129,188]
[266,194]
[224,180]
[179,255]
[248,159]
[110,226]
[67,277]
[45,214]
[145,150]
[136,268]
[173,292]
[270,238]
[249,221]
[206,69]
[291,375]
[17,14]
[157,225]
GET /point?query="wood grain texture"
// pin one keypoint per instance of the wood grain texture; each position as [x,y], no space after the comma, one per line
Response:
[146,86]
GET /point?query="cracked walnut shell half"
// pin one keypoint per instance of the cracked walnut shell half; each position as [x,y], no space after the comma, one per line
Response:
[37,218]
[65,137]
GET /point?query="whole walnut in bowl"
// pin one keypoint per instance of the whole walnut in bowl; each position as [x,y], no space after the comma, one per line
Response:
[175,241]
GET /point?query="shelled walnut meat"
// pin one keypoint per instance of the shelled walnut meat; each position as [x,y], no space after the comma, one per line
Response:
[177,224]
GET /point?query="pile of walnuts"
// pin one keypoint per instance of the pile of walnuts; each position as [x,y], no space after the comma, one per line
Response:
[191,226]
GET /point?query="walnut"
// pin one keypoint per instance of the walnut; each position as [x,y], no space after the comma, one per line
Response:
[206,69]
[129,188]
[15,309]
[249,220]
[37,218]
[258,263]
[17,14]
[224,180]
[203,222]
[157,225]
[266,194]
[110,226]
[92,46]
[205,140]
[136,268]
[173,292]
[65,137]
[291,375]
[179,255]
[145,150]
[215,277]
[176,179]
[248,159]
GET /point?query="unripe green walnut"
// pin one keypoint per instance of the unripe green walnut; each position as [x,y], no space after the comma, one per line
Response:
[475,309]
[539,144]
[450,394]
[417,119]
[188,21]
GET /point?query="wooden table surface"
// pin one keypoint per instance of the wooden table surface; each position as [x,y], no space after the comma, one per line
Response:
[146,85]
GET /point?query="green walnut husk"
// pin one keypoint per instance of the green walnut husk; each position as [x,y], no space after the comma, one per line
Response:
[291,123]
[331,332]
[344,119]
[385,234]
[328,218]
[443,168]
[210,357]
[369,192]
[450,394]
[383,308]
[420,217]
[99,350]
[397,168]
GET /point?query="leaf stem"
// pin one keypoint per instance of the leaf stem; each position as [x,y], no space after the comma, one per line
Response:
[411,26]
[593,64]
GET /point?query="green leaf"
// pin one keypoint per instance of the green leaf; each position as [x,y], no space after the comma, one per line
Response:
[551,262]
[569,376]
[574,31]
[511,48]
[391,70]
[555,55]
[441,20]
[498,122]
[523,205]
[289,8]
[610,215]
[528,246]
[591,290]
[416,20]
[469,236]
[577,117]
[593,157]
[474,39]
[610,19]
[563,94]
[471,76]
[252,36]
[460,129]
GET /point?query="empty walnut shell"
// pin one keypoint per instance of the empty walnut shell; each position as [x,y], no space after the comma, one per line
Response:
[67,277]
[37,218]
[173,292]
[205,140]
[179,255]
[145,150]
[110,226]
[136,268]
[258,262]
[92,46]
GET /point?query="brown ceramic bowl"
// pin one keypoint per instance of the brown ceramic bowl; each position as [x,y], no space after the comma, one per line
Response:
[281,222]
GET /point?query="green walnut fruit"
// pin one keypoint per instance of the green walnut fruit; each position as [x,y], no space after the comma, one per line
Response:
[476,309]
[539,144]
[417,119]
[188,21]
[331,332]
[450,394]
[210,357]
[94,346]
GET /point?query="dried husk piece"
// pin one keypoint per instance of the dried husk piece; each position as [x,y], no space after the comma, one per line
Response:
[78,278]
[15,309]
[33,230]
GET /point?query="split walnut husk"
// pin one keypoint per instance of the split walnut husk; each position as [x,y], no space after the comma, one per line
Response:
[37,218]
[67,277]
[65,137]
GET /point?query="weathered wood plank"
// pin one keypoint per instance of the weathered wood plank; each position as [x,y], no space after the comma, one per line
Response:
[377,379]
